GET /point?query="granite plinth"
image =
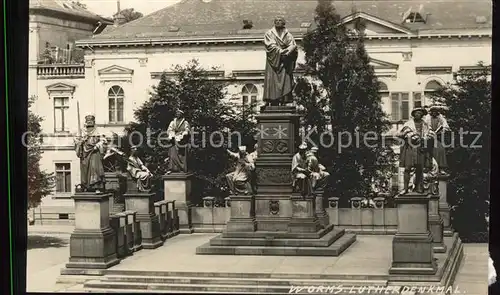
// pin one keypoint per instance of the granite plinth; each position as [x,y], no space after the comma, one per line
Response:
[242,214]
[412,254]
[143,204]
[303,215]
[412,246]
[92,249]
[444,206]
[177,187]
[436,225]
[321,214]
[93,241]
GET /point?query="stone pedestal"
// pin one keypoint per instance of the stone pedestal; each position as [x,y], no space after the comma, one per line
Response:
[284,224]
[143,204]
[412,247]
[242,214]
[136,230]
[93,241]
[436,225]
[129,230]
[321,214]
[174,218]
[161,214]
[277,145]
[120,245]
[116,183]
[304,218]
[444,206]
[177,187]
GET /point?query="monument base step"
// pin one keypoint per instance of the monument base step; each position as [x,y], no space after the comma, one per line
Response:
[324,241]
[278,235]
[335,249]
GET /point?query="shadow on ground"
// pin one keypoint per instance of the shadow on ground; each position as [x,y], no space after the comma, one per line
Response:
[41,242]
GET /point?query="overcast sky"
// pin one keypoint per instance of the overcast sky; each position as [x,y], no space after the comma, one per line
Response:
[108,7]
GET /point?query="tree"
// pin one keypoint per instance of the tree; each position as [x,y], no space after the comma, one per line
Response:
[215,126]
[129,14]
[336,61]
[40,183]
[468,101]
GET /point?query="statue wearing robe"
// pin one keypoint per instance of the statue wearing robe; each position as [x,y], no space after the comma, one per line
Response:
[319,175]
[90,149]
[139,172]
[177,131]
[414,153]
[301,174]
[438,124]
[239,181]
[281,57]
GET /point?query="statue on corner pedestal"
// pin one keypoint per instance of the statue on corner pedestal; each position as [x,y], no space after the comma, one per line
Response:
[300,172]
[138,171]
[319,175]
[178,135]
[281,57]
[437,123]
[90,148]
[240,180]
[414,155]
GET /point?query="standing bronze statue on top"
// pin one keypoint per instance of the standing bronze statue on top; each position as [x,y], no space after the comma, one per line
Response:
[281,56]
[438,124]
[90,148]
[178,134]
[415,149]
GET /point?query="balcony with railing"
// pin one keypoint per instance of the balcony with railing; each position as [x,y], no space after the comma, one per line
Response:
[57,71]
[57,63]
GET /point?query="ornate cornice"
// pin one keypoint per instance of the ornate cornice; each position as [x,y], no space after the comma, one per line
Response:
[250,39]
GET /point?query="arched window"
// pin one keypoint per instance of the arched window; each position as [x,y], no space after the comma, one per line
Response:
[249,94]
[115,99]
[383,87]
[430,88]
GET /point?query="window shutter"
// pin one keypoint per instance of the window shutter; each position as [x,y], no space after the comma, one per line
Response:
[417,99]
[405,106]
[395,107]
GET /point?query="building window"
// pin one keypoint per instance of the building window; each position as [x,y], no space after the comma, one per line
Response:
[382,88]
[400,106]
[417,100]
[249,94]
[115,99]
[431,87]
[63,178]
[61,105]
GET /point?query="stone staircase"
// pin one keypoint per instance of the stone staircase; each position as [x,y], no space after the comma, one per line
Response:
[230,283]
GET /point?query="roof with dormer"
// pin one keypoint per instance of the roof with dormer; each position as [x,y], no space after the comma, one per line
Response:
[67,8]
[224,18]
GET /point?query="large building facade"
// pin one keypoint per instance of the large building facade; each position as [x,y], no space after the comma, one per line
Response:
[414,46]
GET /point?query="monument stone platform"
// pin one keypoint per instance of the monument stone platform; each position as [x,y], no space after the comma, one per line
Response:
[277,220]
[326,242]
[363,266]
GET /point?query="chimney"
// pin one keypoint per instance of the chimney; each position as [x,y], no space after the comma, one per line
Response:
[119,19]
